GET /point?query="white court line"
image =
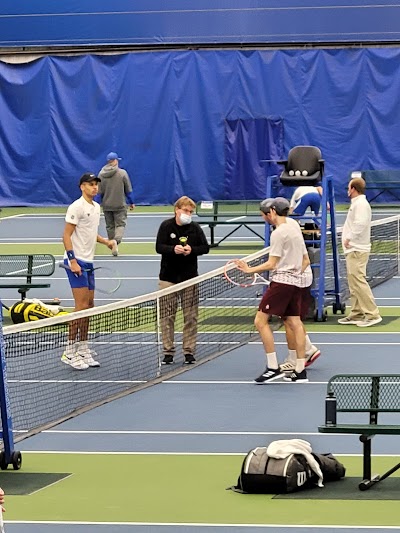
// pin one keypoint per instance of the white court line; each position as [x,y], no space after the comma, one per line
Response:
[189,454]
[178,525]
[155,432]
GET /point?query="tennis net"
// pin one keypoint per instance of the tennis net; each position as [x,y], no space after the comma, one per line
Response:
[126,337]
[384,259]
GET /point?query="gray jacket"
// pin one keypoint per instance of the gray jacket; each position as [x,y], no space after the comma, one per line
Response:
[115,188]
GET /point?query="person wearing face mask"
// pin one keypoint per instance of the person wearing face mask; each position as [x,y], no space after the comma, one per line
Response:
[180,241]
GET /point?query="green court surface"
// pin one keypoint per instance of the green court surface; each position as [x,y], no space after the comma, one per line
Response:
[182,489]
[390,322]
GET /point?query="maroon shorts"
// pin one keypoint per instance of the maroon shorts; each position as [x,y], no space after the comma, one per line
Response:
[306,300]
[282,300]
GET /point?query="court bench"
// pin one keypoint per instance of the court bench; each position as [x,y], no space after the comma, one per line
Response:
[239,213]
[381,181]
[370,394]
[27,266]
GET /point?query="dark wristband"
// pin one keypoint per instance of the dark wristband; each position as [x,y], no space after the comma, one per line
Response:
[70,254]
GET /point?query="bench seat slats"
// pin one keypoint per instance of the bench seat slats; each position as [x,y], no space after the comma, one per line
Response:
[25,266]
[373,393]
[361,429]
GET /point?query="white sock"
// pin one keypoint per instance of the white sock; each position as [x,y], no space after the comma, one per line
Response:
[70,349]
[272,361]
[292,357]
[309,344]
[300,365]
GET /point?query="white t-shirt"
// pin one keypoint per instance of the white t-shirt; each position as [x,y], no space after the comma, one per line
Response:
[357,227]
[86,218]
[287,243]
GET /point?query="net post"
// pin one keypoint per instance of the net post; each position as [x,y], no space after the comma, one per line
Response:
[158,334]
[5,409]
[398,245]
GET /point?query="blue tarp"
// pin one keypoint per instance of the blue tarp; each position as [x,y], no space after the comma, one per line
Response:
[166,114]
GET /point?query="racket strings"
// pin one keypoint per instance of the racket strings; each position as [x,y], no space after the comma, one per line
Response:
[236,276]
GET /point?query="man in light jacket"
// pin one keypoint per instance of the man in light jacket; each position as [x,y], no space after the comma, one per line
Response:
[356,241]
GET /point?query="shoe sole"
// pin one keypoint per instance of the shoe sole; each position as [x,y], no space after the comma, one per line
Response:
[368,325]
[268,380]
[287,380]
[74,367]
[313,358]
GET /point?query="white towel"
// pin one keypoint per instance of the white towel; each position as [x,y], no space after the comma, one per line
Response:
[280,449]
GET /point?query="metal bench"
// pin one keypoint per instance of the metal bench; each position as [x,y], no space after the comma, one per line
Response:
[364,393]
[381,181]
[25,266]
[239,213]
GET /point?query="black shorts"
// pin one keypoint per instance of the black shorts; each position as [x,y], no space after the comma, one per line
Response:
[282,300]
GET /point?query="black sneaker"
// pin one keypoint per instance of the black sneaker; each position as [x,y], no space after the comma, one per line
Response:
[189,359]
[297,377]
[168,360]
[269,375]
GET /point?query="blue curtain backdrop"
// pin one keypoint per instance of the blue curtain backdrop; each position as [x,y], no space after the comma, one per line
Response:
[247,143]
[166,114]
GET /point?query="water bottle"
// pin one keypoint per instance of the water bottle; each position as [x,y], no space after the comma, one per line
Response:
[330,409]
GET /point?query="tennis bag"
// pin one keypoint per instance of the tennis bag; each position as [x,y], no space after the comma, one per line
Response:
[261,474]
[29,310]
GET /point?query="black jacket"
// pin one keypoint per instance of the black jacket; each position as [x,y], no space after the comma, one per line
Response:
[178,267]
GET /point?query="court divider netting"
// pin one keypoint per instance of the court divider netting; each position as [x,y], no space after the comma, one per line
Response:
[126,337]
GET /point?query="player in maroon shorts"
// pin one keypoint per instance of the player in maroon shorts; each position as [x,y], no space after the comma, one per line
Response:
[289,265]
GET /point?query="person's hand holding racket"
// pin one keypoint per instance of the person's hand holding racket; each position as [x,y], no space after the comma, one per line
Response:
[75,267]
[242,266]
[242,275]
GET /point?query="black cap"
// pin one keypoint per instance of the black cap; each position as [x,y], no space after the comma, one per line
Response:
[88,177]
[280,204]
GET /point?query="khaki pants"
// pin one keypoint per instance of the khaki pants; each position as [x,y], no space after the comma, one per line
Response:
[361,297]
[189,299]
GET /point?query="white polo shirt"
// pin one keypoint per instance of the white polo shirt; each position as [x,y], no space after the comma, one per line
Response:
[86,218]
[287,243]
[357,227]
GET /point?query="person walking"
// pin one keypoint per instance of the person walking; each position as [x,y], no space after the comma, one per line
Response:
[288,261]
[115,190]
[79,238]
[356,241]
[180,241]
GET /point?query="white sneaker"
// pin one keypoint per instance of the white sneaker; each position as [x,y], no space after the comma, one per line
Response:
[76,362]
[369,322]
[87,357]
[312,355]
[349,321]
[114,249]
[287,366]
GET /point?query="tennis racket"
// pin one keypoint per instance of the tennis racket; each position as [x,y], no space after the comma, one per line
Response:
[108,280]
[241,279]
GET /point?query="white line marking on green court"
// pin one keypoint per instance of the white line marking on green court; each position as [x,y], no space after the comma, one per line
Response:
[201,524]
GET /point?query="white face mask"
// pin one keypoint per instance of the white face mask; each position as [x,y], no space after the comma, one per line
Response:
[185,219]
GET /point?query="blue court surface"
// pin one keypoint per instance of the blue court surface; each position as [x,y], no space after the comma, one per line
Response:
[213,408]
